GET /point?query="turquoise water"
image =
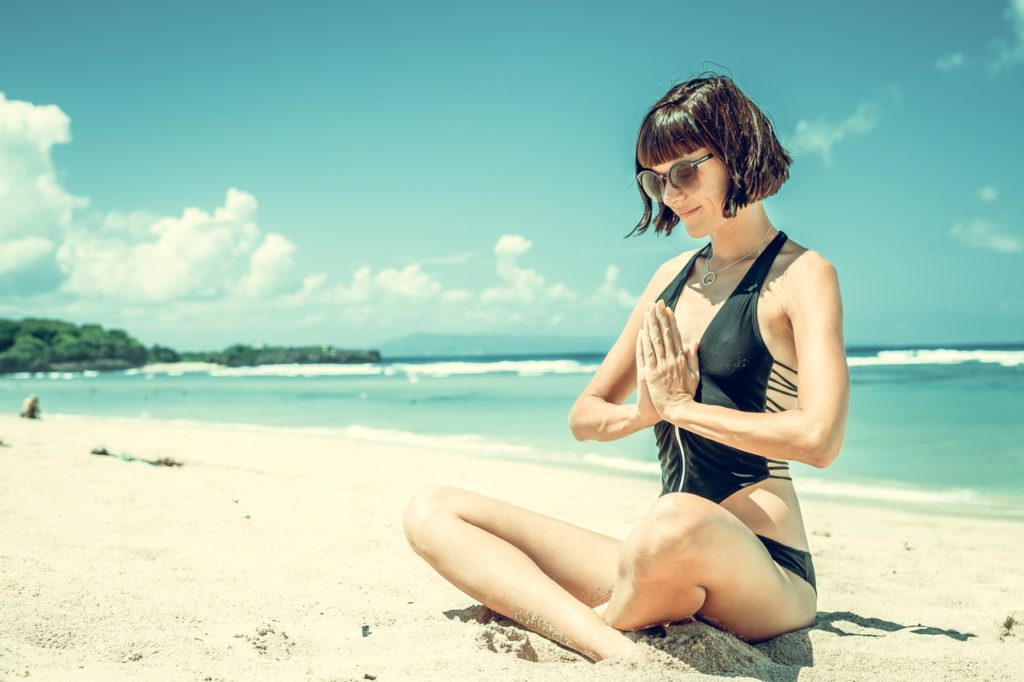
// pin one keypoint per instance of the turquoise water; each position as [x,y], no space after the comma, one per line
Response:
[927,426]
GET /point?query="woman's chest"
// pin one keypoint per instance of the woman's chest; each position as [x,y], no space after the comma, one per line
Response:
[743,334]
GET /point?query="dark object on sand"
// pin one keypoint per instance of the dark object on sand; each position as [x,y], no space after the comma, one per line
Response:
[30,408]
[163,461]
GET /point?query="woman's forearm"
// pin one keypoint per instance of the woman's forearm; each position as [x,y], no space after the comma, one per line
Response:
[592,418]
[790,435]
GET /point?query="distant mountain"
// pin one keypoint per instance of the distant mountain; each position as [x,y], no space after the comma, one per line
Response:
[459,345]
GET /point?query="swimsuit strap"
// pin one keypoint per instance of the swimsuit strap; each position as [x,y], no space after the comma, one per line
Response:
[752,279]
[675,287]
[758,272]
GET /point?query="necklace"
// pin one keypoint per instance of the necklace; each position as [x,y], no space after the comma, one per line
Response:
[711,275]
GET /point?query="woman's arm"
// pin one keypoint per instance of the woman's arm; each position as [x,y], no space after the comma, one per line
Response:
[813,432]
[598,413]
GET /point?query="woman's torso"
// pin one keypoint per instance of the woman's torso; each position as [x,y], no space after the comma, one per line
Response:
[769,507]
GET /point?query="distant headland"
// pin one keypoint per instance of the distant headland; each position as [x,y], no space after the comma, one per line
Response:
[39,345]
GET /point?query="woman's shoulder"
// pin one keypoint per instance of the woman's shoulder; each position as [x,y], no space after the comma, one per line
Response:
[669,269]
[800,261]
[679,261]
[801,268]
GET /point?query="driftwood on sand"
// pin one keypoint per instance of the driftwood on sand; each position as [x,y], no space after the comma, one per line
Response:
[163,461]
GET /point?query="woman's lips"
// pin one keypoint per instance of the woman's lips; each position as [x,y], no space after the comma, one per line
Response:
[683,215]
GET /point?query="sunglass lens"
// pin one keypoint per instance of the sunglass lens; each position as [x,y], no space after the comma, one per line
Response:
[682,176]
[651,184]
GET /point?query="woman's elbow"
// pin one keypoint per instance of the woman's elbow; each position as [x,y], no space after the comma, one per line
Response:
[823,448]
[825,456]
[574,423]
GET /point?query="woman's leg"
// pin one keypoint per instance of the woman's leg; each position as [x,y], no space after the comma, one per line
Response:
[690,556]
[541,572]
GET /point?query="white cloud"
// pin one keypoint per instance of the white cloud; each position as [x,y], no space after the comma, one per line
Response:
[1009,54]
[456,296]
[19,254]
[950,61]
[982,234]
[820,136]
[988,194]
[135,223]
[361,288]
[408,283]
[522,285]
[49,245]
[32,202]
[512,245]
[199,255]
[610,293]
[390,284]
[216,267]
[270,268]
[455,259]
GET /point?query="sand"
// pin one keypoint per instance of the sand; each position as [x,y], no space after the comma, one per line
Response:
[279,555]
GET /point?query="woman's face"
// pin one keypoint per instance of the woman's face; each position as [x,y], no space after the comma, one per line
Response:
[700,210]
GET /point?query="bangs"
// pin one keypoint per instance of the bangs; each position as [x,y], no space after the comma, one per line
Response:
[668,133]
[710,113]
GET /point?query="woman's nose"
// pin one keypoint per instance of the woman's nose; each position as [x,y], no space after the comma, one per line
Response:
[668,191]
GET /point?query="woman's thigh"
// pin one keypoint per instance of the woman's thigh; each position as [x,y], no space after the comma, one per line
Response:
[747,593]
[583,562]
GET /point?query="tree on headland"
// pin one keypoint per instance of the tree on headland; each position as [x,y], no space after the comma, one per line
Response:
[241,355]
[38,345]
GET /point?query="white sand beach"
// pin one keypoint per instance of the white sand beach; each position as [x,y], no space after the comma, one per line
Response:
[270,553]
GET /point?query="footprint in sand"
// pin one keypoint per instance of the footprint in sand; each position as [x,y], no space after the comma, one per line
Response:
[1011,626]
[502,639]
[269,642]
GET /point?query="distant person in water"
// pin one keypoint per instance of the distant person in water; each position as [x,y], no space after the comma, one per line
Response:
[711,352]
[30,408]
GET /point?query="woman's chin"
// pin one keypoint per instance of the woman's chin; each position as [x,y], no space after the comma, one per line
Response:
[692,229]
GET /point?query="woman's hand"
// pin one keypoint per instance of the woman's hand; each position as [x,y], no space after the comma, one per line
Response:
[647,414]
[670,368]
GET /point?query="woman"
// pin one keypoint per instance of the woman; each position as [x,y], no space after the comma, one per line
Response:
[739,368]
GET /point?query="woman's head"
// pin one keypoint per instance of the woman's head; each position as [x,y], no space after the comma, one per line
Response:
[709,115]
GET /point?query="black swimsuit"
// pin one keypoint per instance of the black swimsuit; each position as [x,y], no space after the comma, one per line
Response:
[736,371]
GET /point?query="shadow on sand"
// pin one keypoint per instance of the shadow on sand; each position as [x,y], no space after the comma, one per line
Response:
[699,646]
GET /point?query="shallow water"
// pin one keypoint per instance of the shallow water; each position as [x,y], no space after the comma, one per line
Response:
[927,427]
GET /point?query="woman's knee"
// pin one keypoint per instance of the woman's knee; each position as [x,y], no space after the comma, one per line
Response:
[674,531]
[425,507]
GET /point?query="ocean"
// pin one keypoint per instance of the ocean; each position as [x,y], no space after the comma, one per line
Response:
[933,428]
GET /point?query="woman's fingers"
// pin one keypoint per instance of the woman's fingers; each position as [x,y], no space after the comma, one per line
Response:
[677,338]
[641,373]
[655,332]
[652,337]
[665,325]
[649,358]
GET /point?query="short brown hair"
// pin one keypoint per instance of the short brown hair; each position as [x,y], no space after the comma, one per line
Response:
[711,111]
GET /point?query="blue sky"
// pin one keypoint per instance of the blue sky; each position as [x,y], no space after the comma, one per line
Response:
[205,173]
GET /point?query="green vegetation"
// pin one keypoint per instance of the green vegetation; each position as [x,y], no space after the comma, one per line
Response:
[36,345]
[33,345]
[245,356]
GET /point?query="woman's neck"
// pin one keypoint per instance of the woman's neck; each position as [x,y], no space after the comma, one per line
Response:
[741,237]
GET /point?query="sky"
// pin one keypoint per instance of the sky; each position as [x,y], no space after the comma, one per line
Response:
[346,173]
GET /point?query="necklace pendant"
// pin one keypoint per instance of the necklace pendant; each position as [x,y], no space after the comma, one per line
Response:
[709,279]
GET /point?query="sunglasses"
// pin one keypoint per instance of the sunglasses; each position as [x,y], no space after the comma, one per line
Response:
[682,175]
